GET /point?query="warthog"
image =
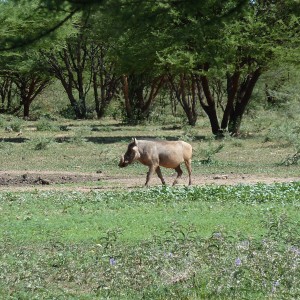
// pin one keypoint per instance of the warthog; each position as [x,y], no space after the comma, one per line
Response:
[168,154]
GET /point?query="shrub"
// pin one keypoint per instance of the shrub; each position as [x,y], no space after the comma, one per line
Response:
[42,143]
[44,124]
[16,125]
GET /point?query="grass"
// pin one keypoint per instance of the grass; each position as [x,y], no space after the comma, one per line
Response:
[88,146]
[209,242]
[212,242]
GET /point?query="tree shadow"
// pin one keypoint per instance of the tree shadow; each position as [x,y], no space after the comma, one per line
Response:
[96,140]
[119,139]
[17,140]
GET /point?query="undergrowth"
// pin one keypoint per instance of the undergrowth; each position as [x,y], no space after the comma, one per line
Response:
[176,262]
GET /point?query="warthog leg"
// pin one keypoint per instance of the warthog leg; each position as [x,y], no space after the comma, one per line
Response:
[149,174]
[159,174]
[179,173]
[188,164]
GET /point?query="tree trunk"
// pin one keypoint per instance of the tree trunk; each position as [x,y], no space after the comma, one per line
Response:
[232,87]
[29,86]
[210,107]
[140,91]
[243,98]
[69,66]
[26,107]
[128,108]
[79,114]
[184,92]
[6,87]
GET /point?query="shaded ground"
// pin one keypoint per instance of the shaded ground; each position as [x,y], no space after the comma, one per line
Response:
[77,181]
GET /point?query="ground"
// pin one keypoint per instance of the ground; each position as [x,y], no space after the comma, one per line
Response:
[79,181]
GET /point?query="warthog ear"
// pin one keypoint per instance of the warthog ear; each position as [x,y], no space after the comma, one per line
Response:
[135,141]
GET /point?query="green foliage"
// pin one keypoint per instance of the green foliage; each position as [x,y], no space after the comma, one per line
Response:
[42,143]
[289,134]
[29,24]
[80,136]
[153,38]
[51,242]
[15,124]
[67,112]
[44,124]
[293,159]
[210,152]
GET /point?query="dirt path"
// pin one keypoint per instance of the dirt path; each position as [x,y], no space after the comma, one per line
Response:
[85,182]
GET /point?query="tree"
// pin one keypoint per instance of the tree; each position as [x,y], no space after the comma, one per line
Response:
[140,91]
[29,85]
[81,62]
[257,40]
[104,80]
[23,65]
[68,65]
[217,40]
[185,92]
[28,22]
[29,77]
[135,55]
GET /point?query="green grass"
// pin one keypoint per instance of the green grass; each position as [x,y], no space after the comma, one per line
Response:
[212,242]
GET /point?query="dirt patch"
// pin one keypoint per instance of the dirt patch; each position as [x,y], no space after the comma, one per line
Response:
[25,178]
[79,181]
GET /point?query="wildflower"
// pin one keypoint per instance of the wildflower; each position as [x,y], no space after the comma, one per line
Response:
[217,235]
[243,245]
[112,261]
[168,255]
[275,285]
[295,250]
[238,262]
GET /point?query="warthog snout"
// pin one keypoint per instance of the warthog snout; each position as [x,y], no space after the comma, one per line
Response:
[122,162]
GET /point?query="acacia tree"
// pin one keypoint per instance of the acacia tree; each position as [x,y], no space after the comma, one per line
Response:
[26,83]
[237,47]
[19,64]
[81,64]
[140,91]
[234,41]
[24,76]
[68,65]
[135,55]
[186,93]
[105,81]
[29,85]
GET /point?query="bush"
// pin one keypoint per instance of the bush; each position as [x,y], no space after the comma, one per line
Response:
[68,112]
[44,124]
[42,143]
[16,125]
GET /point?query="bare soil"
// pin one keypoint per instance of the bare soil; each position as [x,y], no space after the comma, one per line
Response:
[79,181]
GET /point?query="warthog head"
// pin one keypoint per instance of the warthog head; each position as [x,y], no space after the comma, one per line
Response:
[131,154]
